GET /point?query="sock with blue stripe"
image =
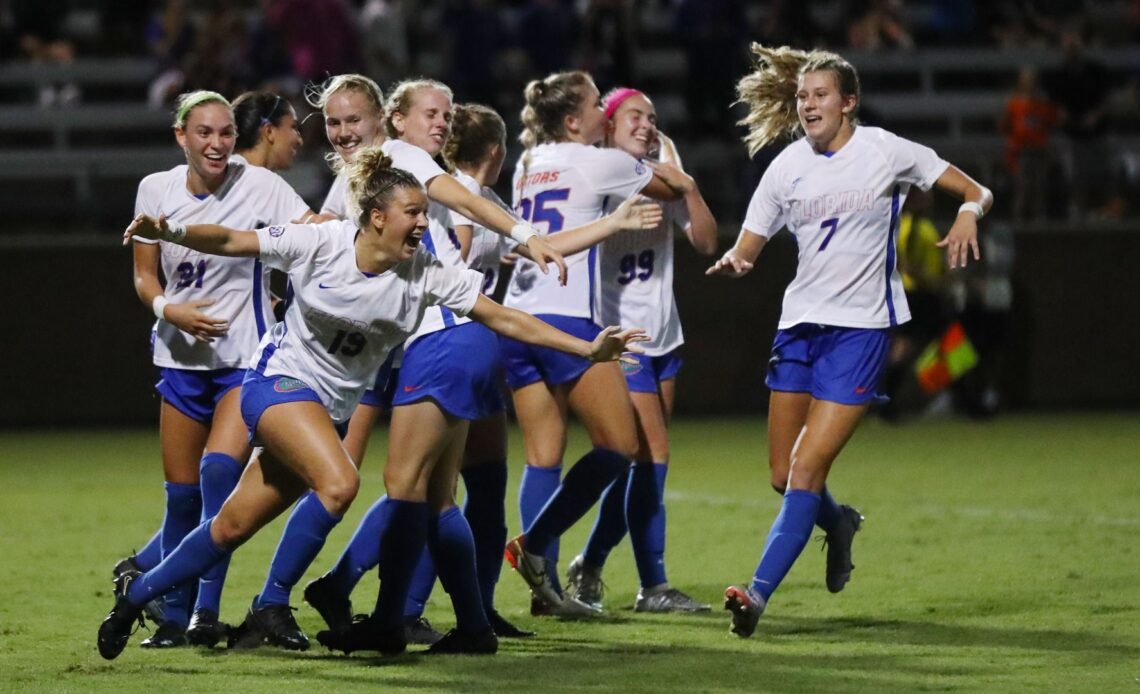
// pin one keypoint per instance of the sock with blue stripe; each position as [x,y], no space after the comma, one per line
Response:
[536,487]
[610,526]
[402,542]
[193,557]
[486,513]
[423,580]
[363,551]
[219,474]
[305,534]
[580,490]
[148,557]
[183,512]
[786,540]
[453,549]
[645,511]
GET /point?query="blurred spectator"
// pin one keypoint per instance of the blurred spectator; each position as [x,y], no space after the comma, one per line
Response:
[713,34]
[1028,122]
[213,57]
[321,36]
[1080,88]
[790,23]
[548,34]
[38,31]
[385,40]
[610,42]
[880,25]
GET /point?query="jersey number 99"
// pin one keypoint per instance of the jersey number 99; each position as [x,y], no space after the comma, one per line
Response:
[636,266]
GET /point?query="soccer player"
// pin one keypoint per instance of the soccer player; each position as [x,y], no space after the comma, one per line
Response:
[636,278]
[202,356]
[561,181]
[838,189]
[360,288]
[268,133]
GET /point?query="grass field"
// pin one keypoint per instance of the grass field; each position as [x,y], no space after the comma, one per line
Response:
[995,557]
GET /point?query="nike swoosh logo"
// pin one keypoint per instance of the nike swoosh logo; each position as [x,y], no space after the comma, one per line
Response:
[322,285]
[410,389]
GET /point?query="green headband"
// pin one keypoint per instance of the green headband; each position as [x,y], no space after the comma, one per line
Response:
[187,102]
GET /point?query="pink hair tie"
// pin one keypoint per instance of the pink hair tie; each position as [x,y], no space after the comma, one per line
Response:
[616,98]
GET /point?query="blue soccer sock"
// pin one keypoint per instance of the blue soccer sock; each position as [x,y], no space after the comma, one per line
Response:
[486,513]
[829,511]
[363,551]
[219,474]
[453,550]
[786,540]
[645,510]
[401,543]
[193,556]
[423,580]
[610,526]
[536,487]
[183,512]
[305,534]
[148,557]
[581,488]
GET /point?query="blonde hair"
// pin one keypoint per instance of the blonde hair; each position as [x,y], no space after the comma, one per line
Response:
[474,128]
[403,95]
[548,102]
[318,95]
[185,103]
[371,182]
[769,90]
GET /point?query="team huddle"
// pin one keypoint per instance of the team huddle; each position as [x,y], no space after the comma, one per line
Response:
[387,308]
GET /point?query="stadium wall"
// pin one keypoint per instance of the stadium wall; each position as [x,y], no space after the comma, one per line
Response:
[76,347]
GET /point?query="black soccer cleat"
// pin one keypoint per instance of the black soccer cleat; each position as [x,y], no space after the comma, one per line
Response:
[456,642]
[206,629]
[333,607]
[365,635]
[839,541]
[121,621]
[155,610]
[168,635]
[418,630]
[504,629]
[746,606]
[278,626]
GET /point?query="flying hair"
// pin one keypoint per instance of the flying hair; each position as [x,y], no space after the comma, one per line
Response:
[769,91]
[188,101]
[371,182]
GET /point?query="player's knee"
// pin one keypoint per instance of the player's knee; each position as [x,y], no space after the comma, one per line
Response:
[230,531]
[806,476]
[404,481]
[338,492]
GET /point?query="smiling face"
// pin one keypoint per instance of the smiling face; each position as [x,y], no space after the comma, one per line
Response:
[633,128]
[285,141]
[823,111]
[207,138]
[427,123]
[352,122]
[401,224]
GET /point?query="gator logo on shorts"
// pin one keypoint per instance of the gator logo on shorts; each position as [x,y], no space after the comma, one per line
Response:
[276,230]
[287,385]
[631,369]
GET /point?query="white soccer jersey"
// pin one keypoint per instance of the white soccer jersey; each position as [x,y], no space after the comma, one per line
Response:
[342,323]
[250,197]
[487,246]
[843,211]
[336,202]
[562,186]
[637,279]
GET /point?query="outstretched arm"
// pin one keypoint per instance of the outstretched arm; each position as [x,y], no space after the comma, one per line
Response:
[634,213]
[608,346]
[738,260]
[963,235]
[206,238]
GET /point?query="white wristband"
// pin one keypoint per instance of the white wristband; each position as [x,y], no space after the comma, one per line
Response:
[522,233]
[159,306]
[175,231]
[971,206]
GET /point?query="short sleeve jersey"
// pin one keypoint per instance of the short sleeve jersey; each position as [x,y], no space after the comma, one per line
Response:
[487,246]
[336,202]
[560,186]
[843,210]
[637,279]
[342,323]
[250,197]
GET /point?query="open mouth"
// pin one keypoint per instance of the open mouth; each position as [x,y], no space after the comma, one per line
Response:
[348,147]
[812,120]
[413,239]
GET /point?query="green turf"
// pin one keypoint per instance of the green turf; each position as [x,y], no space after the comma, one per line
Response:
[997,557]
